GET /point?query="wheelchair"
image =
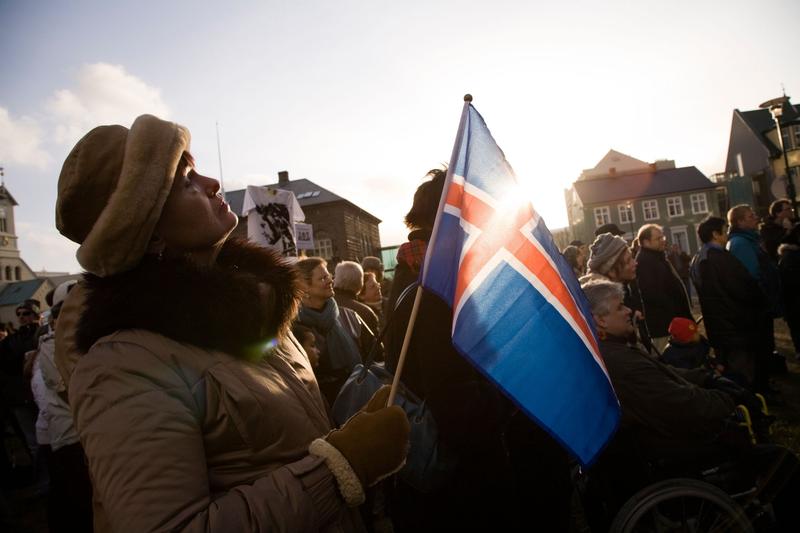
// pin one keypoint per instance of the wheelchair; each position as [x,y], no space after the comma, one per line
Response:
[627,492]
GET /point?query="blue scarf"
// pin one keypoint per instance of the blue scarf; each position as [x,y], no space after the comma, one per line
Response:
[341,349]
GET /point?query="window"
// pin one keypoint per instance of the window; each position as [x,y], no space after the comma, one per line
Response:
[8,273]
[699,204]
[602,215]
[323,247]
[626,213]
[797,137]
[681,237]
[650,209]
[17,273]
[674,206]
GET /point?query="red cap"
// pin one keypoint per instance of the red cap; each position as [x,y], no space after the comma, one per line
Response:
[682,329]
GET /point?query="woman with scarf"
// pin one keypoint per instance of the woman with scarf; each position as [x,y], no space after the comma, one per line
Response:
[341,336]
[197,408]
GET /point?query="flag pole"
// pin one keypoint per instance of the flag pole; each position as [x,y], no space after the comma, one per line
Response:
[418,296]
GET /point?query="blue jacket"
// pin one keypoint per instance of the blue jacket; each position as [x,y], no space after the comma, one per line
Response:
[745,246]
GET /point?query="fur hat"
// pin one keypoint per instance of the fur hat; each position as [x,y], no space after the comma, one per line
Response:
[112,189]
[604,252]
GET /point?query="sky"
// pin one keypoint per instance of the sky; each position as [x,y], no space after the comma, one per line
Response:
[364,97]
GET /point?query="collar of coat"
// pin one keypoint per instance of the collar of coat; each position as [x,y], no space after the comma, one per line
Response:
[246,299]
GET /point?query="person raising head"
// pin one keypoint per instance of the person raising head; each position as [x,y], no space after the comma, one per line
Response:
[195,405]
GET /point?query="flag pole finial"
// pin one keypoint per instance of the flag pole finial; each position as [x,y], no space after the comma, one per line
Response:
[467,97]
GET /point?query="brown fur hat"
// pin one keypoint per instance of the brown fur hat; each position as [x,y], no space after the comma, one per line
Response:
[112,189]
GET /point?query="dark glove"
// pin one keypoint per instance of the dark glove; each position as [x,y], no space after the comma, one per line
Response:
[369,447]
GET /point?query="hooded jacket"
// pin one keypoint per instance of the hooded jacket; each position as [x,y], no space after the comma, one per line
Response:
[188,419]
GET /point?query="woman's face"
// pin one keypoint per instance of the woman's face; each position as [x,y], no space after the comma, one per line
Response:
[194,217]
[372,289]
[320,286]
[626,271]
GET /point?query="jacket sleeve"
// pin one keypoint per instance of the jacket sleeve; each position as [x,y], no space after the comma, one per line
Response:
[143,437]
[672,407]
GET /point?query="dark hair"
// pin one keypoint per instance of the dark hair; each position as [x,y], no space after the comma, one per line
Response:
[570,253]
[777,206]
[426,201]
[301,332]
[706,228]
[306,266]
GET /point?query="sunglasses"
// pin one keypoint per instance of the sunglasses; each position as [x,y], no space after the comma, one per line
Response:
[24,313]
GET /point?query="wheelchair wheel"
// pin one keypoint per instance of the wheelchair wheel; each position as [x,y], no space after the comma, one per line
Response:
[685,505]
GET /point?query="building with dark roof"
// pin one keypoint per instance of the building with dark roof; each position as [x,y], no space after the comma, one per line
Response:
[628,192]
[754,152]
[14,293]
[341,229]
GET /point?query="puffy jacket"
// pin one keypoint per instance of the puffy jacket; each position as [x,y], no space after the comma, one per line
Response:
[188,424]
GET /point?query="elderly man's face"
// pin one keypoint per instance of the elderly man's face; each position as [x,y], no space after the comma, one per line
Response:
[617,322]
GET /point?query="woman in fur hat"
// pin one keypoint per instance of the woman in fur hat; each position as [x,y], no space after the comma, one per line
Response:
[195,405]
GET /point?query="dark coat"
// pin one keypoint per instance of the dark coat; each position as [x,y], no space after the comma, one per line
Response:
[660,403]
[663,293]
[348,299]
[14,387]
[772,234]
[471,416]
[730,298]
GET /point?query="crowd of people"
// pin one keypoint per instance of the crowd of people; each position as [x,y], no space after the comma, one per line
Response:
[186,381]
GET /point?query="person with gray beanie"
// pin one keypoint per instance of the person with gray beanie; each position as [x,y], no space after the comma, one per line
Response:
[610,258]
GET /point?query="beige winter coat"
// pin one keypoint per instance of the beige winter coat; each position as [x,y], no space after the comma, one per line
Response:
[184,438]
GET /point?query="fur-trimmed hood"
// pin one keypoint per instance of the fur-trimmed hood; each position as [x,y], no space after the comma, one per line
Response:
[786,248]
[247,298]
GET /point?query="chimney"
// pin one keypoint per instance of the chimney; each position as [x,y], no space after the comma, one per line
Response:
[283,177]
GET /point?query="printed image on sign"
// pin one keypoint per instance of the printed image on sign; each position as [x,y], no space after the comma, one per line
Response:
[304,236]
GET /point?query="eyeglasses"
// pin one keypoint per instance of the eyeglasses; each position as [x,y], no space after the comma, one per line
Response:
[23,313]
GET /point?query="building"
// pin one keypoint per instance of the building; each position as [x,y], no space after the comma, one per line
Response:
[12,267]
[341,229]
[754,152]
[629,192]
[18,282]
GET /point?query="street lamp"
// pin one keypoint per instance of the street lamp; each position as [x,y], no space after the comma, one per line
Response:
[775,107]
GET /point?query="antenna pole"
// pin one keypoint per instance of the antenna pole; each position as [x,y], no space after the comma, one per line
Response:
[219,158]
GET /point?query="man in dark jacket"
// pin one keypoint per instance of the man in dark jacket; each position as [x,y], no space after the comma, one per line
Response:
[14,386]
[663,293]
[777,225]
[732,302]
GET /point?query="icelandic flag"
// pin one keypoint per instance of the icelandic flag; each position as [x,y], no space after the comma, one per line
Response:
[519,314]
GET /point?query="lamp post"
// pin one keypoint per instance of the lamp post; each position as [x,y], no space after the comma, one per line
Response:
[775,107]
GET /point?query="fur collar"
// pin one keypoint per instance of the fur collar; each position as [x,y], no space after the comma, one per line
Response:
[247,298]
[786,248]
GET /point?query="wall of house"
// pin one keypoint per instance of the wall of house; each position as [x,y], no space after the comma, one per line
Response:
[685,223]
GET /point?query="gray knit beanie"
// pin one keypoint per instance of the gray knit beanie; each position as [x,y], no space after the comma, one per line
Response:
[604,252]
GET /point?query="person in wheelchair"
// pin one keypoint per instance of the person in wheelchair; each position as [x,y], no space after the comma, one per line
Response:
[680,421]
